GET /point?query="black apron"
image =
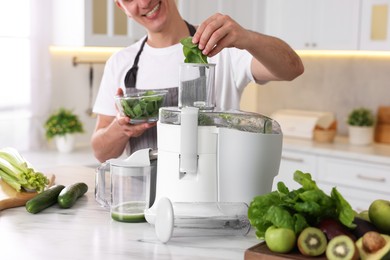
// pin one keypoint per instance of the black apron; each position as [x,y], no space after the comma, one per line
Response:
[149,138]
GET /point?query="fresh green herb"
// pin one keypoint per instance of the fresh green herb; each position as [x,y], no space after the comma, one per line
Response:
[15,171]
[191,52]
[361,117]
[297,209]
[63,122]
[143,108]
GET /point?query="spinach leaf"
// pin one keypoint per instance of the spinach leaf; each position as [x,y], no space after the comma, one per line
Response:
[144,107]
[191,52]
[297,209]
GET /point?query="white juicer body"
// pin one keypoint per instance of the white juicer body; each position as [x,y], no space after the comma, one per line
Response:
[231,165]
[199,186]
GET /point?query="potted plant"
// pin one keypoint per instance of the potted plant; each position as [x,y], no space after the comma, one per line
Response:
[361,123]
[61,126]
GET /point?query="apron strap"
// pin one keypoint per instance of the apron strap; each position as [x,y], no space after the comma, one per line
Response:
[131,75]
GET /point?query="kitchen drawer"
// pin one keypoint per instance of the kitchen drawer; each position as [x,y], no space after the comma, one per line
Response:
[355,174]
[292,161]
[358,199]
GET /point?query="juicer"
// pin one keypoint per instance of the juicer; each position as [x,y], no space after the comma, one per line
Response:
[210,156]
[205,155]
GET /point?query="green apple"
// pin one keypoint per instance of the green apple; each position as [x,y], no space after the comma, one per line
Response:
[280,240]
[379,213]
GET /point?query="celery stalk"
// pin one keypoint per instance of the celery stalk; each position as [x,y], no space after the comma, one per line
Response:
[16,171]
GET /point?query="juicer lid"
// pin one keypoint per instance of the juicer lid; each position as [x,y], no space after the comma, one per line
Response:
[234,119]
[140,158]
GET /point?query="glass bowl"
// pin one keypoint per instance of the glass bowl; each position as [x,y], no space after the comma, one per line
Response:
[141,106]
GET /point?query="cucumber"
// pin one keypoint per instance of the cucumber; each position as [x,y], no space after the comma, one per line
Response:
[44,199]
[68,196]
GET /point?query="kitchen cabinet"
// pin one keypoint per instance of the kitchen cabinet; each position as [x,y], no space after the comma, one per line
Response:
[248,13]
[314,24]
[292,161]
[375,25]
[92,23]
[360,182]
[360,173]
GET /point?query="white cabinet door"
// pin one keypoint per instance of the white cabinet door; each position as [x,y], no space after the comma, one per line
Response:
[375,25]
[248,13]
[92,23]
[358,181]
[314,24]
[292,161]
[289,20]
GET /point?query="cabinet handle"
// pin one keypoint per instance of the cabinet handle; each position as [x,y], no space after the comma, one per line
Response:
[300,160]
[370,178]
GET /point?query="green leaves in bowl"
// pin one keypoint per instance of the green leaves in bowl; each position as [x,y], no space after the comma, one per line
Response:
[191,52]
[142,107]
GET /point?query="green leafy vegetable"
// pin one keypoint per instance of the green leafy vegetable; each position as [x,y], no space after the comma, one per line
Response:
[145,107]
[191,52]
[299,208]
[15,171]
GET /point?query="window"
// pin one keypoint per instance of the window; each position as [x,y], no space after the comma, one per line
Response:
[23,28]
[15,54]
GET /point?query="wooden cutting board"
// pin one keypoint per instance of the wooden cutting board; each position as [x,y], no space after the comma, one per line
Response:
[261,252]
[10,198]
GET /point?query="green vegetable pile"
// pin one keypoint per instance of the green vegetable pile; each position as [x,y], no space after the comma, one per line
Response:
[191,52]
[297,209]
[143,108]
[15,171]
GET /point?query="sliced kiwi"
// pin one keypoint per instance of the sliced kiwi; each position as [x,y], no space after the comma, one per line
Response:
[342,248]
[312,242]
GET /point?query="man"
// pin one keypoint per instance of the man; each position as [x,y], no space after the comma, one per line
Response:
[240,56]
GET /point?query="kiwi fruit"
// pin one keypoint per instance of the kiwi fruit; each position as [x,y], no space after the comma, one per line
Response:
[342,248]
[312,242]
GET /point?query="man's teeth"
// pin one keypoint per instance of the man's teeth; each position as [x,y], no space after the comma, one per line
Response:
[153,10]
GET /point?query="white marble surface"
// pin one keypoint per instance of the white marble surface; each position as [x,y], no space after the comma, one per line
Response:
[86,231]
[375,153]
[50,157]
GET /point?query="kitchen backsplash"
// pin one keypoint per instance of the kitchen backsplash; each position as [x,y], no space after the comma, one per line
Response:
[335,84]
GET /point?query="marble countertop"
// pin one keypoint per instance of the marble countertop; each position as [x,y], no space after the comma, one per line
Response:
[49,157]
[375,153]
[86,231]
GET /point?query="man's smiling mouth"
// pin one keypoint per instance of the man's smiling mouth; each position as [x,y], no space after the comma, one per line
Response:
[153,11]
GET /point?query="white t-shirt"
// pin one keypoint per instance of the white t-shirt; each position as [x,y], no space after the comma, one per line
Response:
[159,68]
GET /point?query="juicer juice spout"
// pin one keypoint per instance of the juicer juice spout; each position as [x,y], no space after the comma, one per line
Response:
[188,162]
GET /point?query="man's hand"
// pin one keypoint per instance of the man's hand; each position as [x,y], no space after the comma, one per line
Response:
[218,32]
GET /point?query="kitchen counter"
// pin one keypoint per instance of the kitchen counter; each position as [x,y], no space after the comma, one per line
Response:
[86,231]
[51,157]
[376,152]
